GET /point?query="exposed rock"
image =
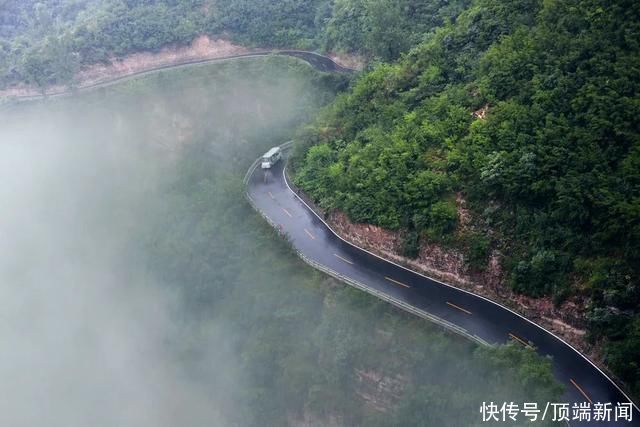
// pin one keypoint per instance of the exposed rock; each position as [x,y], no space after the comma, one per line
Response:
[481,113]
[348,60]
[379,391]
[449,265]
[464,216]
[201,48]
[446,264]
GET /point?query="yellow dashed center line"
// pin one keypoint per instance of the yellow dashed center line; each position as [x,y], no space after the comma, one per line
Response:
[581,390]
[520,340]
[309,234]
[271,195]
[458,307]
[343,259]
[287,212]
[396,282]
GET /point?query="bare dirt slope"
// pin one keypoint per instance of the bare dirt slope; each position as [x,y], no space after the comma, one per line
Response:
[449,265]
[201,48]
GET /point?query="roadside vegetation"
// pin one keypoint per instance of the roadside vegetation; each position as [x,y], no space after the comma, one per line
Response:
[310,346]
[45,42]
[306,343]
[266,339]
[528,110]
[525,110]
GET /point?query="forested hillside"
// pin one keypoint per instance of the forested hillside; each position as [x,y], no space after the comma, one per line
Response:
[46,41]
[147,177]
[526,110]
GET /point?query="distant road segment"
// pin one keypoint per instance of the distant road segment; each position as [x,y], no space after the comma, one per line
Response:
[316,60]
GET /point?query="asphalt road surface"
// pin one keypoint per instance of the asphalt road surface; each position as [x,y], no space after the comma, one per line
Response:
[584,382]
[479,317]
[317,61]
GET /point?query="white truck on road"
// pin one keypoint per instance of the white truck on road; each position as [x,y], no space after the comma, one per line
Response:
[270,158]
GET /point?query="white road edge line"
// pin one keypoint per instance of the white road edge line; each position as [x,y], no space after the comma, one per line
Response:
[162,68]
[343,259]
[284,175]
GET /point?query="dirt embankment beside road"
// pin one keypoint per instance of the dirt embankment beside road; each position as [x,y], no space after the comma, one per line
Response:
[450,265]
[201,48]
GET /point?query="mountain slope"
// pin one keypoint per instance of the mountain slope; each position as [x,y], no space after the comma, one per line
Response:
[528,111]
[45,42]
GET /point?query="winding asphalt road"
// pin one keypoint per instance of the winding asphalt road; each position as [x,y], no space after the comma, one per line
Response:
[473,316]
[479,318]
[317,61]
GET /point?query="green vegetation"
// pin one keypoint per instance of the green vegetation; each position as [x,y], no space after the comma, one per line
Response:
[305,341]
[43,42]
[528,110]
[269,339]
[303,338]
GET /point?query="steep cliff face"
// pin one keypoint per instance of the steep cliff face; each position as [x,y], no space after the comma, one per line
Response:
[449,265]
[380,391]
[432,260]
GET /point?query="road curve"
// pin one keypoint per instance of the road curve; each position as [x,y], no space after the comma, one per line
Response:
[316,60]
[470,315]
[461,311]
